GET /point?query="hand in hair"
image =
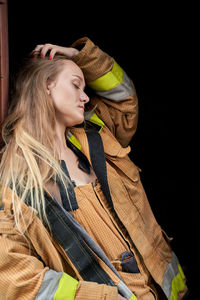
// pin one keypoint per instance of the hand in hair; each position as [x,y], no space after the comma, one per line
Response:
[42,50]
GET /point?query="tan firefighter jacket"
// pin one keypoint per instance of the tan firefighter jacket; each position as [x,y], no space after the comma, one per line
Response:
[37,267]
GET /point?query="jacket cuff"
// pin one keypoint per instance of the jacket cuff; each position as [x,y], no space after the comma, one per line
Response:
[91,59]
[92,290]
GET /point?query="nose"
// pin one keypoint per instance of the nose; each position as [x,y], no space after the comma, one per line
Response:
[84,97]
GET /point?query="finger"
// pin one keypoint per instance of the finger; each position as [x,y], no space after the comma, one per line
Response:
[36,51]
[58,49]
[45,49]
[38,48]
[52,53]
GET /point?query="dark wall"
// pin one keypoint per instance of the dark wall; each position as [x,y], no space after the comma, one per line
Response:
[150,43]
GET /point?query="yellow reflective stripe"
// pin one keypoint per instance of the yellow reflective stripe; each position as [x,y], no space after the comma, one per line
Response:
[96,120]
[74,141]
[133,297]
[66,288]
[181,271]
[178,284]
[109,80]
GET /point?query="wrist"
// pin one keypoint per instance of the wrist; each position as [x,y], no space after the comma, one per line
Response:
[75,52]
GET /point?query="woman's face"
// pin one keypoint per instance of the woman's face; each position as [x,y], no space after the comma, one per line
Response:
[67,92]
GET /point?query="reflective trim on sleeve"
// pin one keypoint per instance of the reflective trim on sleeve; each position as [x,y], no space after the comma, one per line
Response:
[177,284]
[120,92]
[66,288]
[173,281]
[133,297]
[114,85]
[49,285]
[57,286]
[109,80]
[125,291]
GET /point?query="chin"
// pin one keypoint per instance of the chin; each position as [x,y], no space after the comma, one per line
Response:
[78,121]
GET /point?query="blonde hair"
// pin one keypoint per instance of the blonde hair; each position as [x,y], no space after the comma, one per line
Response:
[29,158]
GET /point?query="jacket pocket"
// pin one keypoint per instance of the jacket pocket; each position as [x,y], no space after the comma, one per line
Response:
[129,263]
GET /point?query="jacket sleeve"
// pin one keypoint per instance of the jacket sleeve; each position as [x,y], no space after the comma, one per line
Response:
[116,99]
[24,276]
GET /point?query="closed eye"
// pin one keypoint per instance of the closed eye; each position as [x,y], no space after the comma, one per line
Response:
[76,86]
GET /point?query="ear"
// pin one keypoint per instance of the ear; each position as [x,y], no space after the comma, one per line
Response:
[50,86]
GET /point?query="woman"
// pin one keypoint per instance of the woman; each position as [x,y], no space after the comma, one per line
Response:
[75,222]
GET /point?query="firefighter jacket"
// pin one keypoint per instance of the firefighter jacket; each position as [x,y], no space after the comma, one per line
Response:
[36,266]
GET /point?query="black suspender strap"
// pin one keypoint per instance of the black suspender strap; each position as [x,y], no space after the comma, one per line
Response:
[97,156]
[69,201]
[68,234]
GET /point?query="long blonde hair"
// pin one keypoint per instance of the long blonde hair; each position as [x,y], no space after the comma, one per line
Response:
[29,158]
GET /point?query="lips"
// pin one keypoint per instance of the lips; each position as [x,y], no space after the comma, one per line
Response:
[82,107]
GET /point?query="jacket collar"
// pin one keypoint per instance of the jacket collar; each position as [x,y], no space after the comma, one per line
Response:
[111,146]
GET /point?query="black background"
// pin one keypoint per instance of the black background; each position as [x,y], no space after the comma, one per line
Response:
[152,43]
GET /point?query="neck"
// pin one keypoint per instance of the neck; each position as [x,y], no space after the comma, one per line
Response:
[60,137]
